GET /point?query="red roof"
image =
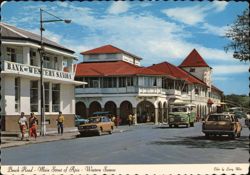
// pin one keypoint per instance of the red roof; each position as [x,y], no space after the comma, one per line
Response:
[107,49]
[176,72]
[119,68]
[194,60]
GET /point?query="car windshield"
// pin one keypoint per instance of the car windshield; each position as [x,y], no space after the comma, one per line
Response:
[94,120]
[219,118]
[179,109]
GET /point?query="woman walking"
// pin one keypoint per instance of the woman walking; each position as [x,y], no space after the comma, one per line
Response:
[33,121]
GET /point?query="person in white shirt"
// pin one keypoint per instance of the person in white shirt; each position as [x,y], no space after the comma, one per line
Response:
[23,124]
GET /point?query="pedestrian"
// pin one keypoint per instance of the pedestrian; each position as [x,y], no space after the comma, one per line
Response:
[33,121]
[130,118]
[23,124]
[60,121]
[117,121]
[133,119]
[113,119]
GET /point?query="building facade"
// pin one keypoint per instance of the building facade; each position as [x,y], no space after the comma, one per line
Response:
[20,78]
[122,87]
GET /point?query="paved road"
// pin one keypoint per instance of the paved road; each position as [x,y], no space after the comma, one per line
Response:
[143,144]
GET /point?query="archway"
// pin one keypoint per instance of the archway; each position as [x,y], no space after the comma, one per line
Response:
[94,107]
[145,112]
[81,109]
[111,107]
[126,108]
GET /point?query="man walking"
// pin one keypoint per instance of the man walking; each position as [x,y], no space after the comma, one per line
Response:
[23,124]
[60,121]
[130,118]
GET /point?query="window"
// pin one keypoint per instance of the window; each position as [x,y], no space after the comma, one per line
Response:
[56,67]
[109,82]
[130,81]
[17,94]
[34,96]
[46,90]
[154,81]
[122,81]
[185,88]
[146,81]
[33,58]
[46,62]
[93,82]
[196,91]
[170,83]
[55,97]
[192,70]
[11,54]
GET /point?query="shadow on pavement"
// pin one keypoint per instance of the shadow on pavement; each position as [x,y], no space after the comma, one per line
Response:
[203,142]
[167,127]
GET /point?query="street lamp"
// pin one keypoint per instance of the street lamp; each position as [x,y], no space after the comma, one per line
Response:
[42,53]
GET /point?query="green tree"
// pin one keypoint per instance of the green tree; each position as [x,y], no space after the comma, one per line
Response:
[239,35]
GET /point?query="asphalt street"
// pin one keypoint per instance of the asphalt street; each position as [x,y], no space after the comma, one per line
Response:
[142,144]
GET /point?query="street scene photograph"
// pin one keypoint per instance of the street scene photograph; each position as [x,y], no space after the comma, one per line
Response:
[124,87]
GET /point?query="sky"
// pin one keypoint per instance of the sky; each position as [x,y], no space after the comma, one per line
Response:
[156,31]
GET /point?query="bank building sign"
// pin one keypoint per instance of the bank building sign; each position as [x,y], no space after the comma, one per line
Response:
[10,67]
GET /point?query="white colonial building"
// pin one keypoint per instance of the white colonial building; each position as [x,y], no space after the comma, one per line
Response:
[20,78]
[118,84]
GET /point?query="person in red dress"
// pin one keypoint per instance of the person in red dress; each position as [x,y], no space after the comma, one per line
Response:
[33,125]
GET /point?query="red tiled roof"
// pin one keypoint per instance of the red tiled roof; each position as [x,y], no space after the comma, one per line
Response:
[107,49]
[119,68]
[176,72]
[194,60]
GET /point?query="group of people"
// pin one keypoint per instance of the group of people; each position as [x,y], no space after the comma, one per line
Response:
[32,123]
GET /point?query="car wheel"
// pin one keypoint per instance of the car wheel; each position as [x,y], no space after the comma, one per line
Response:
[207,135]
[170,126]
[111,130]
[232,136]
[82,134]
[100,132]
[187,126]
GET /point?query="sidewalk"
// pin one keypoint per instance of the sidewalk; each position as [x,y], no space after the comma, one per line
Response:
[12,139]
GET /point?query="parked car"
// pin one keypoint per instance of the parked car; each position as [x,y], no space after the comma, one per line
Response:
[97,125]
[79,120]
[222,124]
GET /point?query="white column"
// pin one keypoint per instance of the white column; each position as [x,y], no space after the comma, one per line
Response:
[156,115]
[25,95]
[26,55]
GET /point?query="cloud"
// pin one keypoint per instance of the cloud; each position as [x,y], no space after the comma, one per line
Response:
[230,69]
[214,30]
[150,37]
[187,15]
[219,5]
[193,15]
[118,7]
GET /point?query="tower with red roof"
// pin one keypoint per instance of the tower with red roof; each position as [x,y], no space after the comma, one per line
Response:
[197,66]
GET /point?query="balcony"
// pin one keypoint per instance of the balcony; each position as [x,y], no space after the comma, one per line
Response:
[34,71]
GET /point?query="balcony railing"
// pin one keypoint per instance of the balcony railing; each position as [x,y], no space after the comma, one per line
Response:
[34,71]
